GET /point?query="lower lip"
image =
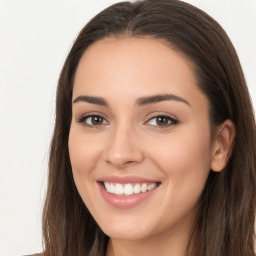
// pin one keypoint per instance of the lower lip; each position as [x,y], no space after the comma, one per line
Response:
[119,201]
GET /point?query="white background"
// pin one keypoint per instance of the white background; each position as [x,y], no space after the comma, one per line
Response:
[35,37]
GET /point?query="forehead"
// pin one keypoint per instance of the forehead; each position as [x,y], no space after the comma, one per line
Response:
[140,56]
[134,67]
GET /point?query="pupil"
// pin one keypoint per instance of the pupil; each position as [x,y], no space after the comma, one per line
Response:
[162,120]
[96,120]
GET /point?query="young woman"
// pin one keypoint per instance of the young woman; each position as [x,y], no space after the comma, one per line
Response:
[153,151]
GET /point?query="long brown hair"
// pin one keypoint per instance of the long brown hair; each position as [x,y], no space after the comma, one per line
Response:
[225,223]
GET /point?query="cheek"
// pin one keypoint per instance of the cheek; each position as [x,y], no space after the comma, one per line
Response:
[83,152]
[184,159]
[191,149]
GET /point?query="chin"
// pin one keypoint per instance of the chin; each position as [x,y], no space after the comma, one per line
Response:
[126,232]
[125,235]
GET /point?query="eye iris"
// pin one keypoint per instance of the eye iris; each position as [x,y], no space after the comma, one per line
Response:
[96,120]
[161,120]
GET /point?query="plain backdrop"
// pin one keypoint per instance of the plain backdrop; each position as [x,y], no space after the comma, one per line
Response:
[35,37]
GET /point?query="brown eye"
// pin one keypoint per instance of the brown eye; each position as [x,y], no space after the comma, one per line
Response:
[96,120]
[92,120]
[161,121]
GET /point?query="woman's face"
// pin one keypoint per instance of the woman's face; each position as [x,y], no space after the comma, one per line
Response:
[140,143]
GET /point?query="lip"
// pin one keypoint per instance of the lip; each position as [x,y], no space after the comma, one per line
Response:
[125,202]
[125,179]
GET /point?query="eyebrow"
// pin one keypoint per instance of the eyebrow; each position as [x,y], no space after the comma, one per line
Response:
[139,102]
[158,98]
[91,99]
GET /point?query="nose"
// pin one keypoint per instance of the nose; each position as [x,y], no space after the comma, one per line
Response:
[123,148]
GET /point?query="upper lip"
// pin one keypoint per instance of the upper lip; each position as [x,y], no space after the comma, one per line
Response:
[125,179]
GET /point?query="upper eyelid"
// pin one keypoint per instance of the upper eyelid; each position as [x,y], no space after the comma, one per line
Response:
[148,118]
[82,119]
[153,114]
[173,120]
[90,114]
[162,114]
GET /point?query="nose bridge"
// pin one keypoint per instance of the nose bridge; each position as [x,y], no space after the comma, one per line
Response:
[123,146]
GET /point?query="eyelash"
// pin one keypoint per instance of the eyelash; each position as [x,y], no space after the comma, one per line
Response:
[82,120]
[171,121]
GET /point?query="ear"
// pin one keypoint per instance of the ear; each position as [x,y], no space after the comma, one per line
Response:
[222,145]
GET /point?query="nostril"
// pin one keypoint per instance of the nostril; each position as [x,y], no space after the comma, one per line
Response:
[129,162]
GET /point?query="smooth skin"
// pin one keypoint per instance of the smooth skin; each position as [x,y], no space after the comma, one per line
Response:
[168,140]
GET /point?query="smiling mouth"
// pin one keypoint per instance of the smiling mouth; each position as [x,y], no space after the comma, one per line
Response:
[129,188]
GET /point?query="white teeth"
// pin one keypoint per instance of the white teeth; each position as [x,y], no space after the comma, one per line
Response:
[107,186]
[119,190]
[112,189]
[144,188]
[128,189]
[151,186]
[136,189]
